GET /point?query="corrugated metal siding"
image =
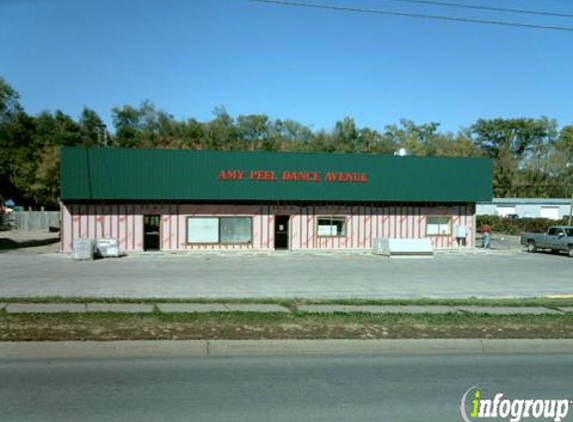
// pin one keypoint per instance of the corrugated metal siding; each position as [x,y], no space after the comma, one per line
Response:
[364,223]
[99,174]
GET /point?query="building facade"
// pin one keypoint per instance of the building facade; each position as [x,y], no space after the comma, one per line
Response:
[551,208]
[178,200]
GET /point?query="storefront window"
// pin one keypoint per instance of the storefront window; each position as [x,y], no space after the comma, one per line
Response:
[202,230]
[331,226]
[236,229]
[438,226]
[219,229]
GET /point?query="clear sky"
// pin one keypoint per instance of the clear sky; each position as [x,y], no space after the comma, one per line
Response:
[313,66]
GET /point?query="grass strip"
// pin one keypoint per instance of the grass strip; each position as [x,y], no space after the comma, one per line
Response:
[297,325]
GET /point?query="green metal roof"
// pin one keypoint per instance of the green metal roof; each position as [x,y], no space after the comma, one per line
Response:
[151,174]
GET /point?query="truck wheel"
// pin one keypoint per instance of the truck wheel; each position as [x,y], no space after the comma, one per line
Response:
[571,251]
[531,246]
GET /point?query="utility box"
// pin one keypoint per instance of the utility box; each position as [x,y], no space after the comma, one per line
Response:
[381,246]
[108,247]
[84,249]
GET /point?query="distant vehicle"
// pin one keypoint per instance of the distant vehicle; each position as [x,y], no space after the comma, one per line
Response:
[557,238]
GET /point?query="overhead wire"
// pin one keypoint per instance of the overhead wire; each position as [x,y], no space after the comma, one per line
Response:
[408,15]
[486,8]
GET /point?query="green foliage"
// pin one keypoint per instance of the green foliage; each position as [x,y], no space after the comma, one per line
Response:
[9,104]
[528,153]
[515,226]
[30,145]
[565,141]
[92,128]
[519,147]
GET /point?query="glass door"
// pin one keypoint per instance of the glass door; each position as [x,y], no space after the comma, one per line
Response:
[151,232]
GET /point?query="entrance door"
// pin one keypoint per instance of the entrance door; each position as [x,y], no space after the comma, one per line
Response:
[151,232]
[281,231]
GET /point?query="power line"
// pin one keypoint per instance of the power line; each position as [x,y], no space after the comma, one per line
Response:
[494,9]
[409,15]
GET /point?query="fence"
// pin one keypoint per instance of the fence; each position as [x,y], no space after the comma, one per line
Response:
[32,220]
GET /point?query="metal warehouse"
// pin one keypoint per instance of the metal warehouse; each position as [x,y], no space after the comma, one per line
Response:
[176,200]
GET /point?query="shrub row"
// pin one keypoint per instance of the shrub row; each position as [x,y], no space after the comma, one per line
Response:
[516,226]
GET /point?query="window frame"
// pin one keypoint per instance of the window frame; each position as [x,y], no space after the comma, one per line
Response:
[449,224]
[248,242]
[331,217]
[219,241]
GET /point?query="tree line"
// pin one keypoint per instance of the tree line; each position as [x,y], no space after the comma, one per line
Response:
[531,155]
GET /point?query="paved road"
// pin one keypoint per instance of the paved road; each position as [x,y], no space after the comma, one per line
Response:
[330,389]
[286,275]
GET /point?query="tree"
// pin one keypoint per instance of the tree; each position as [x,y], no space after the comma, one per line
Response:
[9,102]
[221,131]
[345,136]
[16,142]
[253,130]
[565,141]
[514,144]
[92,128]
[416,139]
[526,151]
[56,129]
[127,126]
[19,153]
[192,135]
[45,186]
[293,136]
[559,161]
[462,145]
[373,142]
[517,136]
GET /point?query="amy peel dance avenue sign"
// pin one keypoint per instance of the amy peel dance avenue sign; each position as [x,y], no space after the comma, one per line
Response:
[474,407]
[293,176]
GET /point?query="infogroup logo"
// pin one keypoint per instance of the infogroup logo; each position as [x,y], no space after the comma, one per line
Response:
[512,409]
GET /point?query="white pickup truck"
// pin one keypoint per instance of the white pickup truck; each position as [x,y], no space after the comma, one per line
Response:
[557,238]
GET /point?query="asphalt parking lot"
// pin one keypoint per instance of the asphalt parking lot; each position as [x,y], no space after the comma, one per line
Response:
[287,275]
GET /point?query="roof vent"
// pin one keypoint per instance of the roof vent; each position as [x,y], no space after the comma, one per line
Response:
[402,152]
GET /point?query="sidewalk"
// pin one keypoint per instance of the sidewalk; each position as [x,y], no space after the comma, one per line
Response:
[26,308]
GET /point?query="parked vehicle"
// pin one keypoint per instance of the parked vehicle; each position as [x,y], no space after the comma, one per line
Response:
[557,238]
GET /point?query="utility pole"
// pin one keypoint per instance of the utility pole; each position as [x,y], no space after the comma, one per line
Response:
[101,135]
[571,203]
[571,208]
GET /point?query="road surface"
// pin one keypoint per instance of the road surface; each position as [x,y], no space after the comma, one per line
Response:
[329,389]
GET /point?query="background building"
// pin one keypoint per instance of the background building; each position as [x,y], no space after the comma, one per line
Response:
[551,208]
[176,200]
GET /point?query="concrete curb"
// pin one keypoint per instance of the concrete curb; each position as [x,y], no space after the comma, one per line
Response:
[26,308]
[35,350]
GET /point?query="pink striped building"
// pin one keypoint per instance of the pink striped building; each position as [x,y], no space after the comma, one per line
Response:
[202,200]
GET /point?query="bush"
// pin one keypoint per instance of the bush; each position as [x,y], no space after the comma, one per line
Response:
[515,226]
